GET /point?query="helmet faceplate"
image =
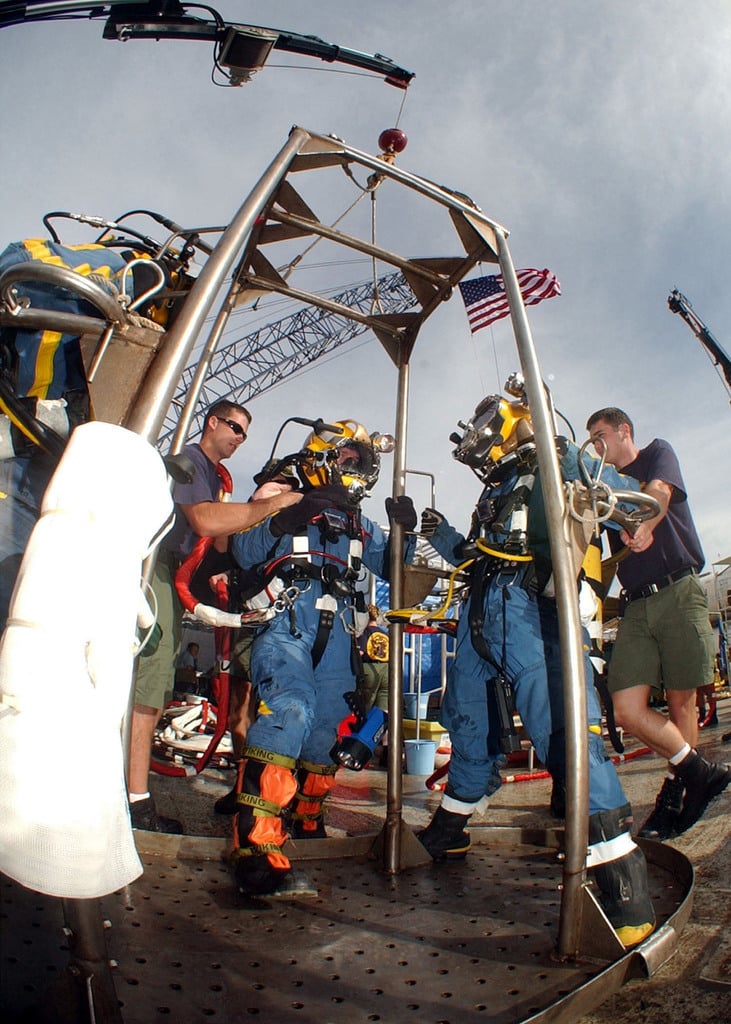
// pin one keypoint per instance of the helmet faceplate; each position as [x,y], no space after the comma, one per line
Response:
[497,427]
[348,458]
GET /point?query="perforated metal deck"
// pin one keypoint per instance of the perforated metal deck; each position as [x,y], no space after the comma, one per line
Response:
[442,944]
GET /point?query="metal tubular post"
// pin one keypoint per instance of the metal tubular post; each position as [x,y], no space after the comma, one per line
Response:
[155,395]
[572,656]
[420,185]
[148,413]
[95,1000]
[202,370]
[394,789]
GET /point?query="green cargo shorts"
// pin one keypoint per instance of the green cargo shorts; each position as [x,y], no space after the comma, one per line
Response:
[155,675]
[665,640]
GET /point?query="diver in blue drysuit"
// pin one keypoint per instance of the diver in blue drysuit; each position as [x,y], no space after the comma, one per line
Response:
[509,628]
[305,658]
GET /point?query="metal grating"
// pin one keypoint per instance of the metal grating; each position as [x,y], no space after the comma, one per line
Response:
[443,944]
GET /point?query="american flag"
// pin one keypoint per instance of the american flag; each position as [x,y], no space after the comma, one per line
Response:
[485,299]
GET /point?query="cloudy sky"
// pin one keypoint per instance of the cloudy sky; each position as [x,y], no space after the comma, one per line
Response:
[596,132]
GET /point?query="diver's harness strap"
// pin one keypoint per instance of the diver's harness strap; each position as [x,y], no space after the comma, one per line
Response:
[327,606]
[338,583]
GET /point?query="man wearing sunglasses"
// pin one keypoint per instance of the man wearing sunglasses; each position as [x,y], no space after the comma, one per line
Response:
[199,512]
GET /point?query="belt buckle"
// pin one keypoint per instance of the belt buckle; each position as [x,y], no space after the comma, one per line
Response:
[650,589]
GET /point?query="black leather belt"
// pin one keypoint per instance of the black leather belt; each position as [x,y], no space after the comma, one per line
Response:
[652,588]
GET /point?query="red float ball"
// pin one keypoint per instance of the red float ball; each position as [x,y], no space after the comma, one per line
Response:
[392,140]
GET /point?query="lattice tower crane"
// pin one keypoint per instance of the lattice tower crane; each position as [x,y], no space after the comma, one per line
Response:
[250,365]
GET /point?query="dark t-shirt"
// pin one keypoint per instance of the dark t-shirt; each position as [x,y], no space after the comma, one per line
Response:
[205,486]
[676,544]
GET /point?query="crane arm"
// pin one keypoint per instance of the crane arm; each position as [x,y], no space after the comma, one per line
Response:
[242,49]
[679,304]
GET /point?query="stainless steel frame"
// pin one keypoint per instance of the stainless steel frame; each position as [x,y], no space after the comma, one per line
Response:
[273,211]
[239,271]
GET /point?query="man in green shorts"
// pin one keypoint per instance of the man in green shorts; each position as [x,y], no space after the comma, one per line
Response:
[664,636]
[199,512]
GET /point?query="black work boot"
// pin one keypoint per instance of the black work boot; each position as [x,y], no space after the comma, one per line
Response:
[703,780]
[620,872]
[143,815]
[663,820]
[444,837]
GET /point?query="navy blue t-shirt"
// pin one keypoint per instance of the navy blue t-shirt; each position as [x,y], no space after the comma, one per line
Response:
[205,486]
[676,544]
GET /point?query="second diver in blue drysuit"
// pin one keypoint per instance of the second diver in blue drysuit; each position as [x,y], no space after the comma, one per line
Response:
[508,634]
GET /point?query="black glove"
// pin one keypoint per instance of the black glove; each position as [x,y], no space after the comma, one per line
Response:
[401,511]
[357,705]
[213,564]
[294,518]
[430,520]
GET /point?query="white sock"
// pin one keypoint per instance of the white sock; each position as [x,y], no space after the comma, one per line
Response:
[681,754]
[134,798]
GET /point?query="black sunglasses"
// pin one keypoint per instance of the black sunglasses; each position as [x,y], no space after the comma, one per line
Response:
[236,427]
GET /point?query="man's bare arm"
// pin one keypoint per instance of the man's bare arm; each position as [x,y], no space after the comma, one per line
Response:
[222,518]
[643,535]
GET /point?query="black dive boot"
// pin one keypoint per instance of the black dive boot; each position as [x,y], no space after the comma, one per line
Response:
[259,864]
[557,806]
[703,780]
[619,869]
[228,804]
[445,837]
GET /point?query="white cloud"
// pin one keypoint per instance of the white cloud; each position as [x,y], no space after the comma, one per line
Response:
[596,132]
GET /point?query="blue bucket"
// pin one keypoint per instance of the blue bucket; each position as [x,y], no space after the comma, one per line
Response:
[410,705]
[420,756]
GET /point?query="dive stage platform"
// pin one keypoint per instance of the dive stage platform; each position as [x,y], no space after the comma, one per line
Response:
[449,943]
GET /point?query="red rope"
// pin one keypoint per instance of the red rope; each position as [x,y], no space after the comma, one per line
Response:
[221,683]
[433,781]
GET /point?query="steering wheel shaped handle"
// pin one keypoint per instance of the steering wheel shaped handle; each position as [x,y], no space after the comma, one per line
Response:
[646,507]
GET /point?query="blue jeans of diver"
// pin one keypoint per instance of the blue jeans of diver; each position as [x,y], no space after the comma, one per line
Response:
[522,633]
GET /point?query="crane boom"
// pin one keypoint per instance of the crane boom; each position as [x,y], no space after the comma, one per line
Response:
[242,49]
[679,304]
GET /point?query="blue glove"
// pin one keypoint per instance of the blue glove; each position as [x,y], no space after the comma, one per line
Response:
[401,511]
[430,520]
